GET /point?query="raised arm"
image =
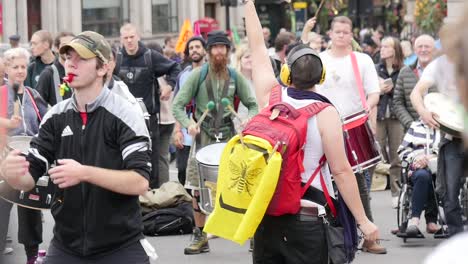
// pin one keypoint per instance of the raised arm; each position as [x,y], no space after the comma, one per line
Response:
[263,76]
[309,25]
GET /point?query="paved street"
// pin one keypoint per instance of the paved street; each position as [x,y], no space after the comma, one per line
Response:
[170,249]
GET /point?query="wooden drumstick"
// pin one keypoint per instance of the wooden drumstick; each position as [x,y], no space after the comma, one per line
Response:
[209,106]
[227,104]
[16,108]
[319,8]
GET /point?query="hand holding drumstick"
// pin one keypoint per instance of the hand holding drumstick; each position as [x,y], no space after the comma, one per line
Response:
[194,129]
[227,103]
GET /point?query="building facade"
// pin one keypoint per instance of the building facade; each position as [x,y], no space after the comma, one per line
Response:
[156,19]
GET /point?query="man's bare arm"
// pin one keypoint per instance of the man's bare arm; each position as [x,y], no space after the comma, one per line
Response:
[417,99]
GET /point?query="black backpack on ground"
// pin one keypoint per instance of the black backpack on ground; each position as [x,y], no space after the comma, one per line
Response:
[169,221]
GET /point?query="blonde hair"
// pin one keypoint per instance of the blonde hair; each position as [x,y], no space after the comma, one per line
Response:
[45,36]
[240,52]
[15,53]
[312,36]
[129,27]
[342,19]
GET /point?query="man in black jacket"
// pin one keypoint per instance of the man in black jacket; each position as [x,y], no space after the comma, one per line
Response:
[139,68]
[50,79]
[41,49]
[100,145]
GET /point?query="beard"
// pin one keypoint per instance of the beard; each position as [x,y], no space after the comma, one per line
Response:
[197,58]
[218,64]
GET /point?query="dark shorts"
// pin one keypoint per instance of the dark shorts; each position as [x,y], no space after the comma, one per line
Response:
[290,239]
[134,254]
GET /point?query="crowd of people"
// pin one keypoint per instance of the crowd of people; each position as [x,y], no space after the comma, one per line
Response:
[110,116]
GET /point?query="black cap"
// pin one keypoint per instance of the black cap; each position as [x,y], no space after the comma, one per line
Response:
[369,41]
[218,37]
[15,37]
[203,42]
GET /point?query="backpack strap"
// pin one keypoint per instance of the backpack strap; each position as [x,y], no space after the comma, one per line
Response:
[322,161]
[203,74]
[275,94]
[149,65]
[327,196]
[313,108]
[118,61]
[33,103]
[56,78]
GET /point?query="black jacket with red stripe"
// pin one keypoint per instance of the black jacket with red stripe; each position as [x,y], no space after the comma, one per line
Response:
[90,220]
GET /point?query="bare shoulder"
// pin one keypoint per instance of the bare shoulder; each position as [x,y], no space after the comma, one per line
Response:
[328,119]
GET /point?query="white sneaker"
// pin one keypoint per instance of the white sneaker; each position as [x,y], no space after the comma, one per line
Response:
[7,251]
[395,202]
[413,227]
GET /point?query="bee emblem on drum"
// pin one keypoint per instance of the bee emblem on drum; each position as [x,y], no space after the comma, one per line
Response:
[244,176]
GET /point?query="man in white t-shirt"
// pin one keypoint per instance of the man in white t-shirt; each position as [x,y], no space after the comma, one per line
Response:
[441,73]
[340,87]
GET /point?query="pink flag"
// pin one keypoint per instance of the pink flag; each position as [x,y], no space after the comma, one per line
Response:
[196,29]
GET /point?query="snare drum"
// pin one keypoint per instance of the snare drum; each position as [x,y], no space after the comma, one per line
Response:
[40,197]
[208,159]
[362,149]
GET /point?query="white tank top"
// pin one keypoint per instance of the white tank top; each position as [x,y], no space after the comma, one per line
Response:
[313,149]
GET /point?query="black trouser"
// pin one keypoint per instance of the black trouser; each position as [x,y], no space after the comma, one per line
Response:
[5,208]
[165,134]
[29,227]
[290,239]
[182,156]
[134,254]
[154,131]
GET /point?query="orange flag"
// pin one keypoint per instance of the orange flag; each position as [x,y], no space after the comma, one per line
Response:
[185,34]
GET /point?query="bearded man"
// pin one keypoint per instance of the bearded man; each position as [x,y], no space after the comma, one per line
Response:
[220,82]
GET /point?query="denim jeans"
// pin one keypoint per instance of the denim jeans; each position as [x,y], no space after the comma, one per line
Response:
[423,196]
[453,163]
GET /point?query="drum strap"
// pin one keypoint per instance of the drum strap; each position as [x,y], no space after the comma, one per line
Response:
[357,75]
[4,100]
[3,113]
[33,103]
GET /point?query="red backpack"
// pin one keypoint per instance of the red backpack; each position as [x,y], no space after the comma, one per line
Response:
[286,128]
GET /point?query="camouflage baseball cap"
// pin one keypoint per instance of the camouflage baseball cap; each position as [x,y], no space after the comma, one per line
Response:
[89,44]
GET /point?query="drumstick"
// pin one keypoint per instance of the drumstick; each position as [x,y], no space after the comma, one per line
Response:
[16,108]
[319,8]
[17,103]
[209,106]
[227,104]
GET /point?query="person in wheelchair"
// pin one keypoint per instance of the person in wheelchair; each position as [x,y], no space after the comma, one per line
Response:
[422,165]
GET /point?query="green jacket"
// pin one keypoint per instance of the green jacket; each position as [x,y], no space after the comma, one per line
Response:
[191,90]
